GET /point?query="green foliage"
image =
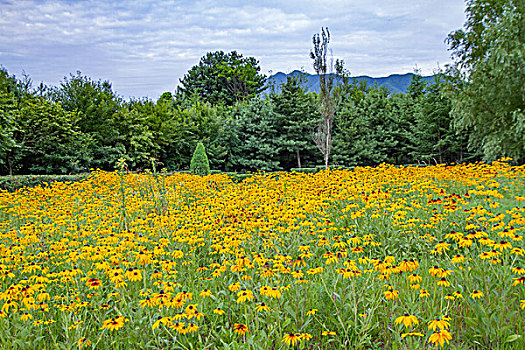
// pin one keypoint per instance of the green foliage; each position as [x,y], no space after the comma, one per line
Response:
[188,123]
[95,104]
[8,116]
[296,113]
[365,127]
[222,78]
[255,146]
[488,81]
[433,136]
[49,140]
[199,162]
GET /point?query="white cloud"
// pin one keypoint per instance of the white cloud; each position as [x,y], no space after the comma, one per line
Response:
[145,47]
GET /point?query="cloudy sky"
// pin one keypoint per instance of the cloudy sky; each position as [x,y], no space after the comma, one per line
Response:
[145,47]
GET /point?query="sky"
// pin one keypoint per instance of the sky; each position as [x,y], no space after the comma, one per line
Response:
[144,47]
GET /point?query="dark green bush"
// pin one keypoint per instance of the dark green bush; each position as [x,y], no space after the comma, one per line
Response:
[15,182]
[305,170]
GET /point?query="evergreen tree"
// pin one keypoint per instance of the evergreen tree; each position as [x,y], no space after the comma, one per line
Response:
[434,136]
[365,129]
[199,162]
[256,145]
[296,118]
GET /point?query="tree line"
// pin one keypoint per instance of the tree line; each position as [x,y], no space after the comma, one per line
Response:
[473,110]
[84,124]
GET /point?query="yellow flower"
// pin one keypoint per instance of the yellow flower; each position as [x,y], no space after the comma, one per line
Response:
[391,294]
[240,329]
[311,312]
[476,294]
[244,295]
[83,342]
[114,323]
[411,334]
[443,282]
[26,316]
[234,287]
[438,323]
[147,302]
[262,307]
[192,328]
[327,333]
[414,278]
[205,293]
[161,320]
[291,339]
[519,270]
[218,311]
[423,293]
[457,294]
[407,320]
[458,259]
[305,336]
[440,337]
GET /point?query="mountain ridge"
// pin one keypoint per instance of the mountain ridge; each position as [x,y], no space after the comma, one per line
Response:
[395,83]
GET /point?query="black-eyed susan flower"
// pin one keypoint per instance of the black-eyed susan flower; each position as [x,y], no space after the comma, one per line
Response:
[305,336]
[311,312]
[443,282]
[440,337]
[244,295]
[407,320]
[519,280]
[391,294]
[205,293]
[262,307]
[192,328]
[502,245]
[414,278]
[438,323]
[476,294]
[457,294]
[234,287]
[115,323]
[519,270]
[412,334]
[327,333]
[291,339]
[26,316]
[240,329]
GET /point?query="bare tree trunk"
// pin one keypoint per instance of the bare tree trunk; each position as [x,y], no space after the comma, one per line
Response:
[327,149]
[298,160]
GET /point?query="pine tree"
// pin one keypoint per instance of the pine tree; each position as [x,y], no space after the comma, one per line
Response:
[296,117]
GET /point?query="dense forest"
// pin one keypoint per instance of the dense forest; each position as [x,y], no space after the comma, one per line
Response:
[473,110]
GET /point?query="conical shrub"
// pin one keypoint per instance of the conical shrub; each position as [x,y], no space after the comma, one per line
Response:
[199,162]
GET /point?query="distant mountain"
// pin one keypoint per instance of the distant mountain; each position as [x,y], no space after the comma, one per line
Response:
[396,83]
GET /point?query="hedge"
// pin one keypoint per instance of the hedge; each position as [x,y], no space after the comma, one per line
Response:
[15,182]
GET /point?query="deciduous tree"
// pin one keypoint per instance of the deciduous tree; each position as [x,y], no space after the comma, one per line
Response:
[489,84]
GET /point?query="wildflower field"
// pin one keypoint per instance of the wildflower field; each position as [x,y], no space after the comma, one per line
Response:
[387,257]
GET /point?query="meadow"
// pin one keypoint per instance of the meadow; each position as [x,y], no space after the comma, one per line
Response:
[373,258]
